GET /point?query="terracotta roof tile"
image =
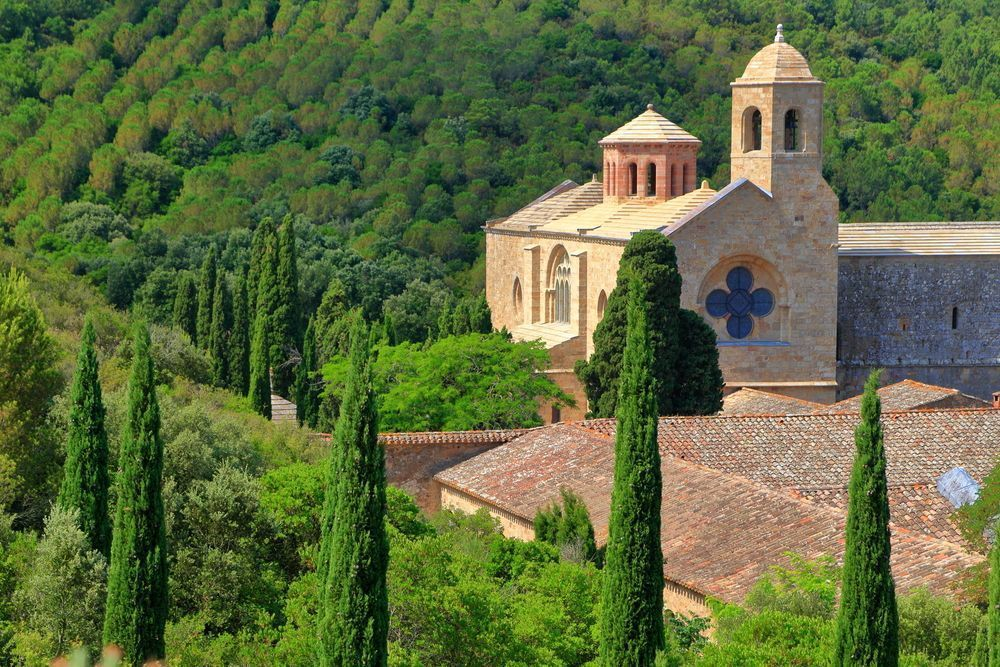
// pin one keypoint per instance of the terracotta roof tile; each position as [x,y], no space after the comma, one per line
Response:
[495,437]
[649,127]
[910,395]
[749,401]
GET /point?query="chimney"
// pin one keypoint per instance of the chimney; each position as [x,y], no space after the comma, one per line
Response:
[996,400]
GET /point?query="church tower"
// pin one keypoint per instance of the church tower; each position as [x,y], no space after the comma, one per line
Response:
[777,126]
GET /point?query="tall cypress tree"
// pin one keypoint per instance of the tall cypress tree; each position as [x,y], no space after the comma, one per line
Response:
[186,307]
[993,613]
[868,623]
[206,294]
[222,324]
[263,253]
[85,481]
[287,315]
[260,368]
[307,387]
[631,629]
[136,610]
[354,549]
[239,340]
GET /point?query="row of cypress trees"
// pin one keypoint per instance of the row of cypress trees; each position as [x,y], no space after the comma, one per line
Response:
[136,611]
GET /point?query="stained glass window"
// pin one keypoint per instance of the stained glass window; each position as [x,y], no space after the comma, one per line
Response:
[741,304]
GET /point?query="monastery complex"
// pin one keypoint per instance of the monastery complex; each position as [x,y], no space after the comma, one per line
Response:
[802,306]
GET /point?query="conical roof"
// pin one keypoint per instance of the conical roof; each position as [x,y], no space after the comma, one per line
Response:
[778,61]
[648,127]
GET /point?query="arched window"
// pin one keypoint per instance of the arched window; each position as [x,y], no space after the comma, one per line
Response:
[602,303]
[792,140]
[954,317]
[518,299]
[684,178]
[562,291]
[752,130]
[612,183]
[651,180]
[633,179]
[674,190]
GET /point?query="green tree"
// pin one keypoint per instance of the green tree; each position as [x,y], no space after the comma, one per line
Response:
[631,626]
[981,652]
[308,385]
[222,325]
[239,340]
[868,623]
[186,306]
[568,527]
[993,614]
[136,611]
[85,481]
[263,261]
[206,294]
[28,383]
[260,368]
[286,336]
[685,364]
[354,549]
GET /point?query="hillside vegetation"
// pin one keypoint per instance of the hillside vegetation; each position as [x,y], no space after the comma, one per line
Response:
[134,132]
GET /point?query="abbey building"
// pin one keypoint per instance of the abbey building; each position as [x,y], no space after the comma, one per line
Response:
[802,306]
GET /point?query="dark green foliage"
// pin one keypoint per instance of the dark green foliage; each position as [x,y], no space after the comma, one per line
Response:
[508,559]
[287,313]
[239,340]
[354,549]
[341,162]
[631,626]
[868,623]
[206,294]
[993,613]
[464,316]
[263,257]
[308,383]
[85,481]
[259,391]
[685,360]
[186,306]
[136,611]
[222,325]
[568,527]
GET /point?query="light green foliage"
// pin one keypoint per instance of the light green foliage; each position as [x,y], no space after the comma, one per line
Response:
[567,526]
[993,613]
[475,381]
[292,497]
[28,383]
[937,628]
[260,368]
[631,626]
[85,473]
[137,578]
[868,623]
[806,588]
[62,597]
[174,355]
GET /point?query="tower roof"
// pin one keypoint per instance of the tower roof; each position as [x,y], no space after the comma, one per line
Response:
[649,127]
[778,61]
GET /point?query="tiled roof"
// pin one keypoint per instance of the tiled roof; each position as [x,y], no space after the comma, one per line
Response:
[282,410]
[720,532]
[749,401]
[910,395]
[496,437]
[778,61]
[648,127]
[549,207]
[920,238]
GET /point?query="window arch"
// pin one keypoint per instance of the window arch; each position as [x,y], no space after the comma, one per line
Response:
[753,129]
[651,180]
[633,179]
[954,318]
[560,272]
[602,303]
[793,139]
[518,298]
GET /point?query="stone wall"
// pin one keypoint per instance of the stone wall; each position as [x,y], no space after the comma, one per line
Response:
[932,319]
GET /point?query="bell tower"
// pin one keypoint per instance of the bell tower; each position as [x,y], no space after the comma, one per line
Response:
[777,126]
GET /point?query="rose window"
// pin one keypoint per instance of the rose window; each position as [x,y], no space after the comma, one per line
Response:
[741,304]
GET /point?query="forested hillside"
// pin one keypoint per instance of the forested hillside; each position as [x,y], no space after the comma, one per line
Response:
[134,133]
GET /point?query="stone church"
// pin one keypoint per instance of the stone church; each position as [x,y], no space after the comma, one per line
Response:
[802,306]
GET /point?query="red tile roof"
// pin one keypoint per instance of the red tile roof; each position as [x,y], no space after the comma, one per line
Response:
[720,531]
[910,395]
[496,437]
[749,401]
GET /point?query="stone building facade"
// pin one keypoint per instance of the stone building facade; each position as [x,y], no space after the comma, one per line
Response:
[760,258]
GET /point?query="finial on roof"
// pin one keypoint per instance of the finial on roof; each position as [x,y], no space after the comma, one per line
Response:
[593,177]
[704,184]
[779,36]
[649,107]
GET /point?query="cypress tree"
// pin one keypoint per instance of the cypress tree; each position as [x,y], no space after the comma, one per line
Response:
[287,334]
[263,253]
[85,481]
[354,549]
[981,650]
[993,613]
[631,627]
[260,368]
[685,367]
[239,340]
[867,623]
[307,387]
[186,307]
[222,324]
[136,610]
[206,293]
[568,527]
